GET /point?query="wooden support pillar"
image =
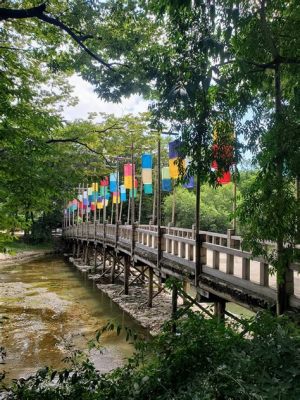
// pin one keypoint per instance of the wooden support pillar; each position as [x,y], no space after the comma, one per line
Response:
[143,274]
[126,273]
[86,254]
[104,259]
[220,308]
[74,249]
[150,287]
[113,268]
[78,250]
[95,258]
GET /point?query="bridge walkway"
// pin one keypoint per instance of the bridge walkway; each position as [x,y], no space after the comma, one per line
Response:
[227,272]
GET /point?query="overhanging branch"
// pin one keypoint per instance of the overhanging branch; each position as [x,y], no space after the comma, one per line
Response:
[40,13]
[76,141]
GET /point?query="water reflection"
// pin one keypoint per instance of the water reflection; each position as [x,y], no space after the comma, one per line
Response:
[52,310]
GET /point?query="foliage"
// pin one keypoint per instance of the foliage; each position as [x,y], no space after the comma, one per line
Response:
[228,64]
[216,205]
[203,360]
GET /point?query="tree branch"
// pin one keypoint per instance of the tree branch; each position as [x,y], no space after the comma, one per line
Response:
[39,12]
[114,126]
[76,141]
[268,35]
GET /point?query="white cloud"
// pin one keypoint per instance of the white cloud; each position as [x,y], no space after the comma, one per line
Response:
[89,102]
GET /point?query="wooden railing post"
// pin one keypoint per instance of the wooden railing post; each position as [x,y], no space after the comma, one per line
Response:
[230,257]
[246,269]
[215,255]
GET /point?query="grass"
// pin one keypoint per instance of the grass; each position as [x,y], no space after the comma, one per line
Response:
[18,246]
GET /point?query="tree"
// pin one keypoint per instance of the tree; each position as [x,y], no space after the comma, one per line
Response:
[224,61]
[267,36]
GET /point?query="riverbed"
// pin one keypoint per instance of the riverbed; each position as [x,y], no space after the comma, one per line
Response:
[49,311]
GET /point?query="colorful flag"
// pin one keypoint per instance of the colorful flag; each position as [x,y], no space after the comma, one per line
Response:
[166,185]
[134,193]
[123,193]
[147,161]
[116,197]
[100,205]
[190,183]
[129,170]
[104,181]
[113,182]
[148,189]
[175,154]
[147,171]
[166,179]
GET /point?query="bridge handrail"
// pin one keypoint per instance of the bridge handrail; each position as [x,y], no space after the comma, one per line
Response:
[216,248]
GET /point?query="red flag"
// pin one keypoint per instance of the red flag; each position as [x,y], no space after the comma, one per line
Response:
[104,182]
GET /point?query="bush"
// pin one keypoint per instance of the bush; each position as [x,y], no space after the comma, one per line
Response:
[203,360]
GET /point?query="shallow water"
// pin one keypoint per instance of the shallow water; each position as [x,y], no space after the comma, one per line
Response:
[52,311]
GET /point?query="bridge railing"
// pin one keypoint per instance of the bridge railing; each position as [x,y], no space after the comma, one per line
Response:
[221,255]
[146,237]
[125,233]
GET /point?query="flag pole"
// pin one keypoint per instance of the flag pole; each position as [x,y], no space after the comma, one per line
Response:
[234,186]
[140,204]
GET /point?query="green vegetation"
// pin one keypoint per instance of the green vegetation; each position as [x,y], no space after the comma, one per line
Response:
[207,66]
[18,246]
[203,360]
[216,205]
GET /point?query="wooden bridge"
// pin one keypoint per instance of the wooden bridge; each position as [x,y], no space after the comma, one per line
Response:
[227,274]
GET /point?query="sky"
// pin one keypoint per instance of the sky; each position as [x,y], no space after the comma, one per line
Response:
[89,102]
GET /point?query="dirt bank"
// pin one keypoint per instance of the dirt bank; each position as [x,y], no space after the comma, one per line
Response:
[23,257]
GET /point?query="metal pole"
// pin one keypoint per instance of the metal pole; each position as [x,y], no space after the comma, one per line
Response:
[121,209]
[118,194]
[159,233]
[173,204]
[112,210]
[154,196]
[132,202]
[128,211]
[104,205]
[234,189]
[132,185]
[141,197]
[197,228]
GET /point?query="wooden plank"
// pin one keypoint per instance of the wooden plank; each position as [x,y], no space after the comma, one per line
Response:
[179,239]
[182,261]
[246,269]
[150,287]
[264,274]
[266,292]
[146,248]
[231,251]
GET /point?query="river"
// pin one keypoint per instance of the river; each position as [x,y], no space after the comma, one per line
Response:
[51,311]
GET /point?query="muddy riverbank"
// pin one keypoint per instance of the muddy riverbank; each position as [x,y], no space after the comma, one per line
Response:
[49,311]
[24,257]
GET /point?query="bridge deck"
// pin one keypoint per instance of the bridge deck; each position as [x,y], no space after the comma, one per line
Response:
[227,271]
